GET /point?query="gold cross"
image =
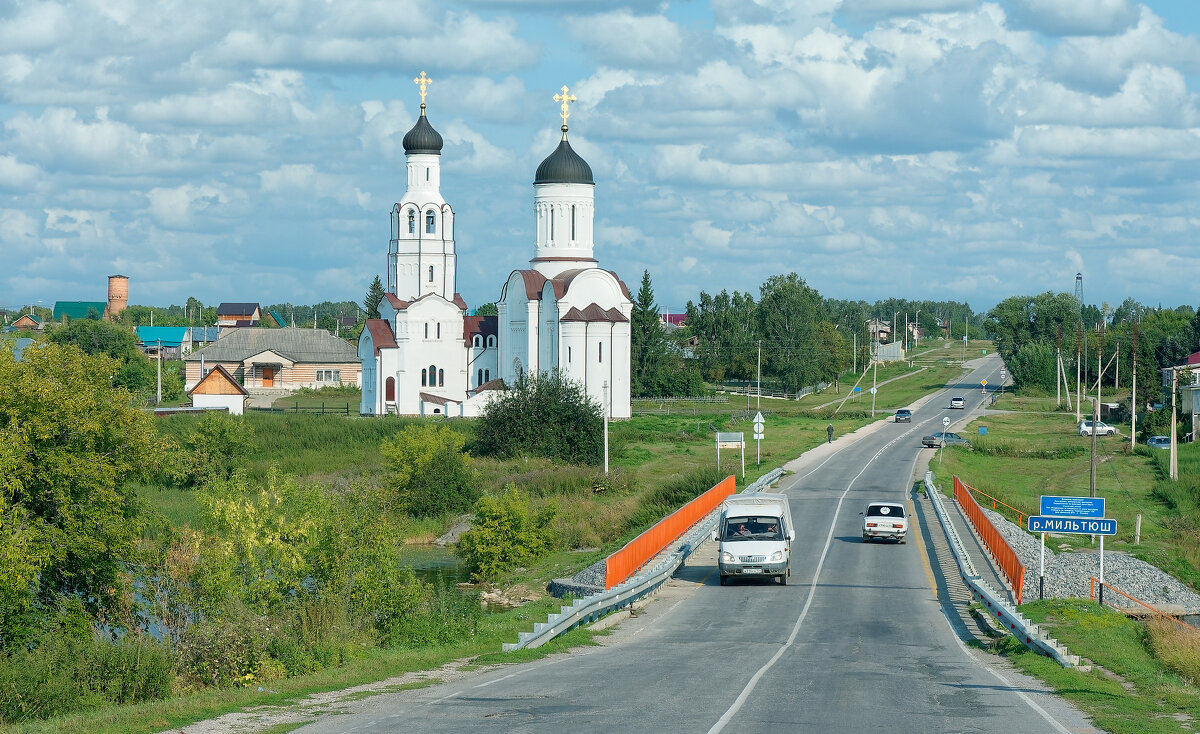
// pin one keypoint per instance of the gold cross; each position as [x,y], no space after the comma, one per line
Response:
[566,99]
[423,82]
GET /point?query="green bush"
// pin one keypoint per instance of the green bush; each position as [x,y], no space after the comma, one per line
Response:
[64,674]
[428,471]
[543,415]
[413,613]
[231,650]
[216,448]
[506,534]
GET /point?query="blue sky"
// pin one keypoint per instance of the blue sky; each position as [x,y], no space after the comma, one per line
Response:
[940,149]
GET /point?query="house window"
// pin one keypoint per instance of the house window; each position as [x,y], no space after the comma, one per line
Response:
[329,375]
[441,378]
[424,377]
[412,221]
[429,221]
[430,273]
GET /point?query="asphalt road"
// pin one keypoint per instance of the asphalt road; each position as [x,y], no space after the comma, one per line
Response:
[857,641]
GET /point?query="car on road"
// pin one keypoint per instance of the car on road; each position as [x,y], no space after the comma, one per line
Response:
[904,415]
[958,403]
[884,520]
[933,440]
[1101,428]
[1159,442]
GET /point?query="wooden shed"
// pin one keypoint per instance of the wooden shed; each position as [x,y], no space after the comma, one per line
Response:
[219,389]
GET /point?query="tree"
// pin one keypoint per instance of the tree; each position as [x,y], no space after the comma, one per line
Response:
[649,350]
[1035,365]
[69,517]
[374,296]
[487,309]
[790,312]
[134,372]
[546,415]
[427,470]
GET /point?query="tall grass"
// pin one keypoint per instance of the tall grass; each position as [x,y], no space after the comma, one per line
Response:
[1176,646]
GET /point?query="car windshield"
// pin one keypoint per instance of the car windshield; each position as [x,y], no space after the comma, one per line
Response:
[753,527]
[885,510]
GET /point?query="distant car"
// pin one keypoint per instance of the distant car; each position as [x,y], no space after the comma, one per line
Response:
[884,520]
[958,403]
[933,440]
[1159,442]
[904,415]
[1101,428]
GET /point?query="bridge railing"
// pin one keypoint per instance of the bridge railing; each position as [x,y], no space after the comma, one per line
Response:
[1006,558]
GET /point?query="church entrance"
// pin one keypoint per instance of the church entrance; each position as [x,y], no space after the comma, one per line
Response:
[268,377]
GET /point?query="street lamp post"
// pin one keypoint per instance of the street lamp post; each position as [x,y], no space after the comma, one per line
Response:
[605,427]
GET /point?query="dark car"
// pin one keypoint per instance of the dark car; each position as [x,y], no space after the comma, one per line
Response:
[933,440]
[904,415]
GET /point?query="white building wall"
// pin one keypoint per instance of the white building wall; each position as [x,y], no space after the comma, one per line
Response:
[235,404]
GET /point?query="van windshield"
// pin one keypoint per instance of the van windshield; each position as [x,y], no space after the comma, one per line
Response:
[753,527]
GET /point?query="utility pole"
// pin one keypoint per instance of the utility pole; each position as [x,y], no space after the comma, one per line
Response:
[1133,394]
[1099,361]
[1078,365]
[1058,369]
[159,371]
[1174,452]
[758,400]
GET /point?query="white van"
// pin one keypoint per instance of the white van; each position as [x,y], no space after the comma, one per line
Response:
[755,535]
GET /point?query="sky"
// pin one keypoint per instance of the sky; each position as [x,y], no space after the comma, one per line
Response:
[926,149]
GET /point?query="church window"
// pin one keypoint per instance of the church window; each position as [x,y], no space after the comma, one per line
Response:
[601,345]
[426,173]
[491,341]
[412,222]
[479,378]
[430,273]
[429,222]
[432,375]
[441,378]
[487,375]
[568,355]
[551,224]
[477,342]
[424,377]
[439,330]
[426,330]
[572,222]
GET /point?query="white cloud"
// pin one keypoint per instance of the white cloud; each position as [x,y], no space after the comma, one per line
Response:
[16,175]
[622,38]
[1074,17]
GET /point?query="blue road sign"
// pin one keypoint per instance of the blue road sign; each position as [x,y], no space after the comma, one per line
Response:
[1077,525]
[1092,507]
[858,389]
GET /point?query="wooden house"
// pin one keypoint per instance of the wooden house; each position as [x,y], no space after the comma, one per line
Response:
[278,360]
[219,389]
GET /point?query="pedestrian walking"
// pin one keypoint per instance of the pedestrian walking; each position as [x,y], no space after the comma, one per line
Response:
[829,433]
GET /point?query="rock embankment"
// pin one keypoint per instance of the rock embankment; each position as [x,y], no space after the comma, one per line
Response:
[1069,574]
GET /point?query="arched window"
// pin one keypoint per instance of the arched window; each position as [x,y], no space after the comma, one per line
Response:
[441,378]
[601,345]
[427,173]
[412,222]
[487,375]
[568,355]
[572,222]
[477,342]
[551,224]
[426,329]
[439,330]
[430,273]
[424,377]
[429,222]
[479,378]
[491,341]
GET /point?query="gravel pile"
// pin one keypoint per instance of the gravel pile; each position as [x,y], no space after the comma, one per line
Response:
[585,583]
[1069,574]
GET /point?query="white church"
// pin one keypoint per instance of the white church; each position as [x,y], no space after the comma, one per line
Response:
[426,356]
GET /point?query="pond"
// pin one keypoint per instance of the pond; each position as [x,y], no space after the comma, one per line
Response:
[435,564]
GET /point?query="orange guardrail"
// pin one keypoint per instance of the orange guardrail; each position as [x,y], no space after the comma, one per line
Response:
[998,503]
[623,563]
[1003,554]
[1152,610]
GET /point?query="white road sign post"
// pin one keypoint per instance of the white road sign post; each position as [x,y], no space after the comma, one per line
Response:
[758,434]
[945,425]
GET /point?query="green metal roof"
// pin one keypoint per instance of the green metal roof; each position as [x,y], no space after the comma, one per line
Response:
[77,309]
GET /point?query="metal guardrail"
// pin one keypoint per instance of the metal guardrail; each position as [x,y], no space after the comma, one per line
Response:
[591,608]
[1030,634]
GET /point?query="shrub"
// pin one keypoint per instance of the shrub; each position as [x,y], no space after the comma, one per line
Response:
[543,415]
[63,674]
[428,471]
[506,533]
[217,448]
[231,650]
[413,613]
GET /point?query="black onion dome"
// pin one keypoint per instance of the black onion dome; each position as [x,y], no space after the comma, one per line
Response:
[564,166]
[422,138]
